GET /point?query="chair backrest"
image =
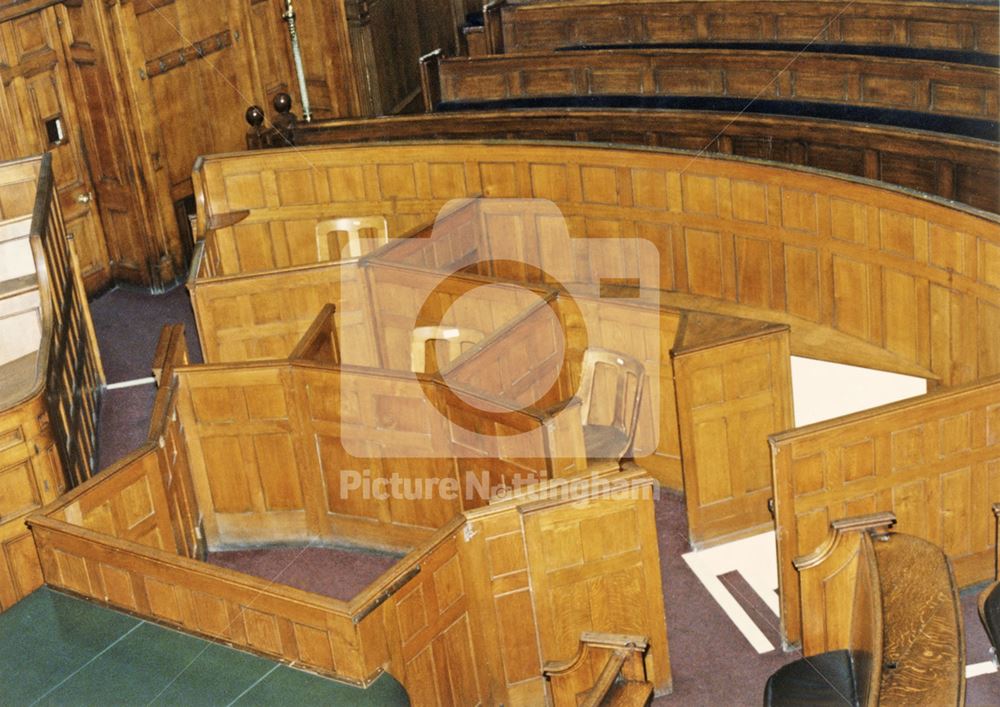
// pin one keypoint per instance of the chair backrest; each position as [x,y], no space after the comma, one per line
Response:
[356,227]
[616,379]
[457,340]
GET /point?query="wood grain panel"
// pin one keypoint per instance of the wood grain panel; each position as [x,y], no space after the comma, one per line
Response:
[854,221]
[592,569]
[918,459]
[733,390]
[941,25]
[924,86]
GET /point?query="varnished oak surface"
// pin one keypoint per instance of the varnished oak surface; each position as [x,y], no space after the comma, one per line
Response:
[929,87]
[781,244]
[922,624]
[807,249]
[549,25]
[47,414]
[952,167]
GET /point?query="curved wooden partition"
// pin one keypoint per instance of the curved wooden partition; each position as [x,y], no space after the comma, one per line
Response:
[952,167]
[477,587]
[50,372]
[873,87]
[537,26]
[864,274]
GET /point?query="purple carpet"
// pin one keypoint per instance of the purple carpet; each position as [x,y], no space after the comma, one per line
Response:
[338,573]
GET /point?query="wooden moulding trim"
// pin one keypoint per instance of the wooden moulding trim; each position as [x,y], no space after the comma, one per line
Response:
[776,440]
[589,641]
[322,324]
[892,8]
[765,328]
[12,9]
[546,487]
[245,582]
[193,280]
[393,579]
[551,496]
[838,529]
[196,259]
[217,221]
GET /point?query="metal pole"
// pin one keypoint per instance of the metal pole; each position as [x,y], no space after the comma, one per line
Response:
[289,17]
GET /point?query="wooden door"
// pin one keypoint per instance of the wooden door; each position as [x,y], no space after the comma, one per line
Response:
[109,151]
[35,88]
[595,566]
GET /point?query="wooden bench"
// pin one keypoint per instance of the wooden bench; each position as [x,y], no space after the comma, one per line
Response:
[933,95]
[905,645]
[552,24]
[958,168]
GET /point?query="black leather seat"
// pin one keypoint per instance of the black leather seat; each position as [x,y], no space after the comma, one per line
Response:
[990,614]
[824,679]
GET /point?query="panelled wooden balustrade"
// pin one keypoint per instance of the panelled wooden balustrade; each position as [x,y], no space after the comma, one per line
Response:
[50,372]
[394,285]
[935,88]
[457,620]
[861,274]
[547,25]
[964,169]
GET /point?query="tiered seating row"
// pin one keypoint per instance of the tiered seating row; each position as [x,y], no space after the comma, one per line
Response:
[963,169]
[949,98]
[538,26]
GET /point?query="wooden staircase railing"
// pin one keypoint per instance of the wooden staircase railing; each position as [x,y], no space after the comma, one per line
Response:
[608,669]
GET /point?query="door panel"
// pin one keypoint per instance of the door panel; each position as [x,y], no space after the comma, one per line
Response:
[36,87]
[123,212]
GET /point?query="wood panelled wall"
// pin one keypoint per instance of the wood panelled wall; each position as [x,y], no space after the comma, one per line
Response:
[933,462]
[30,477]
[456,621]
[733,390]
[128,94]
[930,87]
[863,274]
[298,430]
[930,25]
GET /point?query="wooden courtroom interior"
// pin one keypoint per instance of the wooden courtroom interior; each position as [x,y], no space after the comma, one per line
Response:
[545,264]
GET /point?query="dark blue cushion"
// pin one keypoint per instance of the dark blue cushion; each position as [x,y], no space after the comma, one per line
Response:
[824,679]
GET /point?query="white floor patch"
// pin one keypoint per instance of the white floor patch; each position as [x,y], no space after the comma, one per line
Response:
[131,384]
[755,558]
[977,669]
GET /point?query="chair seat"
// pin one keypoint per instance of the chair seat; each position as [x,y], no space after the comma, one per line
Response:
[604,442]
[824,679]
[991,616]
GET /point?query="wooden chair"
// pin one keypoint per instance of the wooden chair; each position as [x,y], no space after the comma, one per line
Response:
[356,228]
[609,423]
[458,340]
